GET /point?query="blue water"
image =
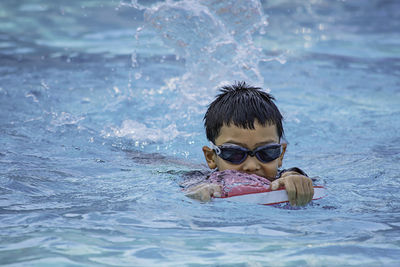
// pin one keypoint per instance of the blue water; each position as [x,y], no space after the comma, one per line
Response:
[101,116]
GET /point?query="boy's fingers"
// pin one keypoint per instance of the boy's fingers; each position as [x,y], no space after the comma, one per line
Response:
[204,192]
[277,183]
[194,188]
[215,190]
[197,192]
[291,191]
[300,193]
[217,194]
[305,191]
[289,186]
[300,189]
[311,190]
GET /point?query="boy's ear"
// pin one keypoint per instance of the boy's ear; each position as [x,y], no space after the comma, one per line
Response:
[209,155]
[284,146]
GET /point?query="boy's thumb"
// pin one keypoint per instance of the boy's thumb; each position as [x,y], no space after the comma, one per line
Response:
[216,191]
[277,183]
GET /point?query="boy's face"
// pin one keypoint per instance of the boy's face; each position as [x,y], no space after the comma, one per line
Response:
[250,139]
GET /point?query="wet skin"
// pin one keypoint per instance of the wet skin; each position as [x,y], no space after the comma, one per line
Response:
[298,187]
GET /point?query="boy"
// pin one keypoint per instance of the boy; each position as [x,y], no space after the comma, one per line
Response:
[245,131]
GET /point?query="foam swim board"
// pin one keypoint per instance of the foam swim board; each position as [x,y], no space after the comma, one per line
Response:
[272,197]
[250,188]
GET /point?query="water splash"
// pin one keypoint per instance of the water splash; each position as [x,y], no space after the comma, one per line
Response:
[140,132]
[214,38]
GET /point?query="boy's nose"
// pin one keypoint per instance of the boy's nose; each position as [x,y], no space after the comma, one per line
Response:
[251,164]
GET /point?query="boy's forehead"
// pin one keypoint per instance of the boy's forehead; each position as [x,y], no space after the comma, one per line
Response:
[260,134]
[256,126]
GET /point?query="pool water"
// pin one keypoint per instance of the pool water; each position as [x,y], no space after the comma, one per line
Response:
[101,117]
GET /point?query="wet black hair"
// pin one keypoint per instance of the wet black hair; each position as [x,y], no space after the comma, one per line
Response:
[241,104]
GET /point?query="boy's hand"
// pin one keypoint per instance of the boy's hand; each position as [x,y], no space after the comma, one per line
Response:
[298,187]
[204,192]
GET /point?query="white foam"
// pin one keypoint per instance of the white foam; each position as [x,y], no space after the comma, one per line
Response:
[140,132]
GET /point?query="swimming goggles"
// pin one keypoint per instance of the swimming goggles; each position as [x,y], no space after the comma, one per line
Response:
[236,154]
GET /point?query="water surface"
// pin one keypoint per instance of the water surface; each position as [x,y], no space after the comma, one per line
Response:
[102,106]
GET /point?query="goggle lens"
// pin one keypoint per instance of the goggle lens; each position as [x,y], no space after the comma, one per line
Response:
[269,153]
[236,154]
[233,155]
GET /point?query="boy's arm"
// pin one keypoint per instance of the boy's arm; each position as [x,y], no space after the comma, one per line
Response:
[298,186]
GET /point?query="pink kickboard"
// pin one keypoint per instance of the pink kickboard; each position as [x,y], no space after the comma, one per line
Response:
[250,188]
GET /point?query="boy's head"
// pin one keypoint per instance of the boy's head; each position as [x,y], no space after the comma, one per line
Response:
[246,126]
[241,105]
